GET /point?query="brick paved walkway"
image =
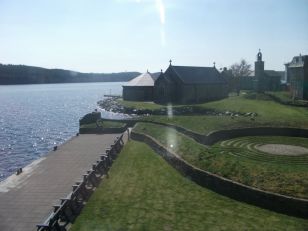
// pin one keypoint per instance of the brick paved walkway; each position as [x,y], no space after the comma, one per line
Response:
[27,199]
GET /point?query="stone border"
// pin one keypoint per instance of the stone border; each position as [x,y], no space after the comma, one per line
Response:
[220,135]
[279,203]
[99,130]
[131,123]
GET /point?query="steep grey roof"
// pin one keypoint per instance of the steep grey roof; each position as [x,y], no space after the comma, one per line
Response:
[198,75]
[298,61]
[155,75]
[143,80]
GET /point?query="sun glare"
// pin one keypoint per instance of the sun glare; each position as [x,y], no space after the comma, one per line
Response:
[169,111]
[161,10]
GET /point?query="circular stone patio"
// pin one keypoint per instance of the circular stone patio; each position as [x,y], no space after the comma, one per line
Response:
[282,149]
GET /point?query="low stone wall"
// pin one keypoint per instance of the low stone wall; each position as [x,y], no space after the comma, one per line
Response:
[131,123]
[100,130]
[216,136]
[276,202]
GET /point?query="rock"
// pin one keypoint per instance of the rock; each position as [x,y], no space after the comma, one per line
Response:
[90,118]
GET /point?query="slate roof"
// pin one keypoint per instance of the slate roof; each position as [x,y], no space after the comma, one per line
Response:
[198,75]
[144,80]
[155,75]
[298,61]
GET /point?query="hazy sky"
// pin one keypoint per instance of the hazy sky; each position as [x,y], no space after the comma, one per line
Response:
[136,35]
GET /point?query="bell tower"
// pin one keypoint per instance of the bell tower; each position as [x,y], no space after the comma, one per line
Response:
[259,72]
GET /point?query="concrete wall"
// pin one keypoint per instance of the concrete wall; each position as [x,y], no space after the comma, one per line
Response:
[99,130]
[279,203]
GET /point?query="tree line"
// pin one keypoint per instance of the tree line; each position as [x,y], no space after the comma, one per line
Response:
[22,74]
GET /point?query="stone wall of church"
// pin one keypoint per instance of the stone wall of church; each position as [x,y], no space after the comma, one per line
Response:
[305,94]
[202,92]
[296,82]
[138,93]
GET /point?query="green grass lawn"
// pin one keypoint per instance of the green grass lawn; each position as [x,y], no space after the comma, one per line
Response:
[286,97]
[246,102]
[266,108]
[280,177]
[139,104]
[203,124]
[269,113]
[282,95]
[144,193]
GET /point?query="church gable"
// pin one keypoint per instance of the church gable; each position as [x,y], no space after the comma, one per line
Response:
[185,84]
[197,75]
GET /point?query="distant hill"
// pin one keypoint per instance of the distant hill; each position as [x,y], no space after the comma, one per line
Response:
[21,74]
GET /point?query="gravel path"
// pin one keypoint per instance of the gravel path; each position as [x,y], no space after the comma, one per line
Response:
[283,149]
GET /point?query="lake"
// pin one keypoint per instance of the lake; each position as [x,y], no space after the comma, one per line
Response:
[34,118]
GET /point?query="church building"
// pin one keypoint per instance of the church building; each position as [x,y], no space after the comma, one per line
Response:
[297,76]
[265,80]
[140,88]
[188,84]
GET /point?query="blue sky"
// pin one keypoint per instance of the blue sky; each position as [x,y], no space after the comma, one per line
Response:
[136,35]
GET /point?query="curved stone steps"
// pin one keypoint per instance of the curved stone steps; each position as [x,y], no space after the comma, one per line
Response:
[247,147]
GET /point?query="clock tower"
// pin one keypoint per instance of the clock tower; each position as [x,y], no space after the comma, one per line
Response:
[259,72]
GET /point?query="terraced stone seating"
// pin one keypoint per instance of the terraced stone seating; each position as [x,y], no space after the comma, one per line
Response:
[248,147]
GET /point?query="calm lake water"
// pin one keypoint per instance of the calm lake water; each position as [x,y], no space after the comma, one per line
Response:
[34,118]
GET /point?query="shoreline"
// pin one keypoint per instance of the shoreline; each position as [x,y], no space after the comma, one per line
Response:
[16,181]
[7,183]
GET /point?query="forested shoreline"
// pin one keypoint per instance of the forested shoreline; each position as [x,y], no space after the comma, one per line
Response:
[22,74]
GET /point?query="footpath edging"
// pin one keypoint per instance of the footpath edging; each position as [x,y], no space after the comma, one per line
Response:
[131,123]
[221,135]
[279,203]
[101,130]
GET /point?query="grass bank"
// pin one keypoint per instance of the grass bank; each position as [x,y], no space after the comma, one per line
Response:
[144,193]
[204,124]
[286,98]
[281,177]
[269,113]
[140,105]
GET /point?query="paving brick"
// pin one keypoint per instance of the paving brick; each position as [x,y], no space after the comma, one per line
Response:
[31,200]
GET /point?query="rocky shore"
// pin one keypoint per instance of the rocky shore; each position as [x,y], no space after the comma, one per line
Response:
[112,105]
